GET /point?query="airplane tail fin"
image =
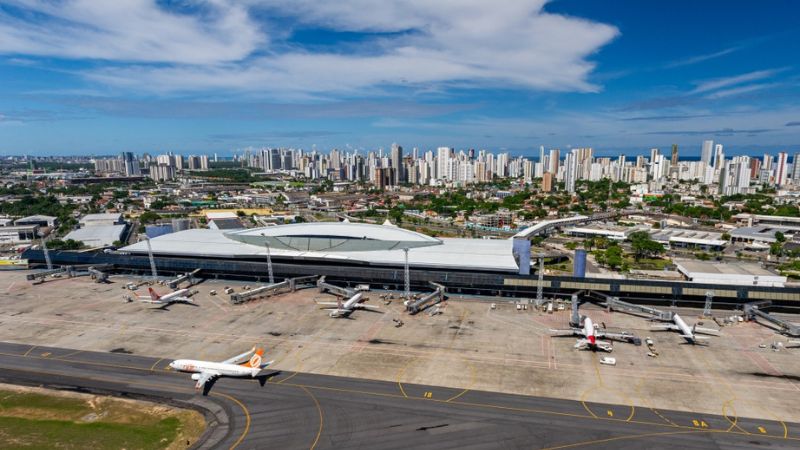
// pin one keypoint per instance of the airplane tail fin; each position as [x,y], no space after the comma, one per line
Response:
[153,294]
[255,361]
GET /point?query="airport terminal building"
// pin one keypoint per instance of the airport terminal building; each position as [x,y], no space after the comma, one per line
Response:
[332,242]
[353,253]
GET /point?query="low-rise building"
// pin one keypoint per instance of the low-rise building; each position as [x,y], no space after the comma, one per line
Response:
[93,220]
[765,234]
[612,232]
[689,238]
[728,273]
[18,234]
[40,220]
[97,235]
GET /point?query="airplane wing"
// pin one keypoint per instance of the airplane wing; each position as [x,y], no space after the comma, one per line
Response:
[581,344]
[238,359]
[206,377]
[566,332]
[665,327]
[152,302]
[617,336]
[363,306]
[604,346]
[706,331]
[327,304]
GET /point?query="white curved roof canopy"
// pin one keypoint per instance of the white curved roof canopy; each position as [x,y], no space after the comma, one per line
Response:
[333,236]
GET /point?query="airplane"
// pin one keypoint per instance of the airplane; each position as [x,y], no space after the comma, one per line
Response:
[688,333]
[347,308]
[591,334]
[179,296]
[206,372]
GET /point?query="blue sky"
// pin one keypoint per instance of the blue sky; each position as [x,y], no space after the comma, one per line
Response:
[98,77]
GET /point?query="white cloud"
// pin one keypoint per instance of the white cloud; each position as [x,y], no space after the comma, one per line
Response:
[719,83]
[416,43]
[129,30]
[740,90]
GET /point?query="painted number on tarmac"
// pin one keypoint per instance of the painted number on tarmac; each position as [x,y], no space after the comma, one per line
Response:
[762,430]
[700,423]
[46,354]
[428,395]
[610,413]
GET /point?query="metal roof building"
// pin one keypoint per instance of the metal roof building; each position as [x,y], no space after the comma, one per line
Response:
[379,245]
[97,235]
[728,273]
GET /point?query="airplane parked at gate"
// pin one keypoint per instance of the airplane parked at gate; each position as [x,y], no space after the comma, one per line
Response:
[179,296]
[347,308]
[206,372]
[590,334]
[688,333]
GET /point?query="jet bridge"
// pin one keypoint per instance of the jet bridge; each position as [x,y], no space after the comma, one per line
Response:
[333,289]
[288,285]
[615,304]
[71,272]
[415,306]
[754,310]
[97,275]
[189,276]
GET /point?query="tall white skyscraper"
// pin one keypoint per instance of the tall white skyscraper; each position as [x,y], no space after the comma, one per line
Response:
[705,155]
[442,162]
[397,163]
[555,159]
[570,171]
[719,157]
[796,168]
[782,169]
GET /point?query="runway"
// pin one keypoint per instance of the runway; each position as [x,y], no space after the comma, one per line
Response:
[302,410]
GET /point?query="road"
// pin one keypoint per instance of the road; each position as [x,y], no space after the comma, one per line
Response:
[302,410]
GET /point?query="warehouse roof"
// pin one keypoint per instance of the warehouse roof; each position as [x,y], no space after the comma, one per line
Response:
[97,235]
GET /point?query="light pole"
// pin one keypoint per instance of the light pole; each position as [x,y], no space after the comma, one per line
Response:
[407,274]
[152,259]
[269,260]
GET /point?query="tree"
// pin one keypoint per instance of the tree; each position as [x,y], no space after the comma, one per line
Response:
[726,237]
[779,237]
[613,256]
[149,217]
[69,244]
[776,249]
[643,246]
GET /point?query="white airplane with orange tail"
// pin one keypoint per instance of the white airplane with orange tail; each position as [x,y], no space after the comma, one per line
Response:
[179,296]
[205,373]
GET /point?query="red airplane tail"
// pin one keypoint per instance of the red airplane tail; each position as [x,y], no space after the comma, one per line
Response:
[153,294]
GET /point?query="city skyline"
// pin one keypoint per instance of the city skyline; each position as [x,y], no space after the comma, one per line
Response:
[458,168]
[215,77]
